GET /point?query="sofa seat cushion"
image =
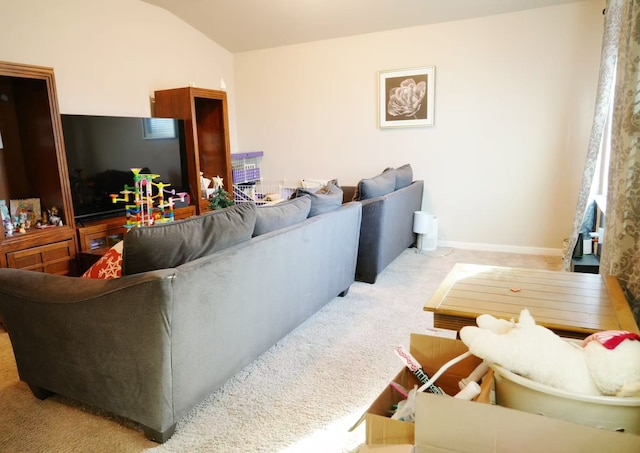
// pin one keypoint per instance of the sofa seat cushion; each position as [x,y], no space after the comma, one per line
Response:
[171,244]
[280,215]
[108,266]
[325,199]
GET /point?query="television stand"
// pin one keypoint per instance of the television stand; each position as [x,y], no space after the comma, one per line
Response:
[96,237]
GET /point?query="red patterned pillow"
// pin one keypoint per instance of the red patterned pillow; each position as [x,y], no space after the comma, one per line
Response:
[109,266]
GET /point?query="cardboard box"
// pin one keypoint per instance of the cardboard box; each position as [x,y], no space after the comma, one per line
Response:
[432,352]
[451,425]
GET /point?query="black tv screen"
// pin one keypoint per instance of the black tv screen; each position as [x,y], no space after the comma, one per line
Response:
[101,150]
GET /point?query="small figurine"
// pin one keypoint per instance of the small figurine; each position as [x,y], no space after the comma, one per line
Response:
[8,227]
[204,182]
[22,222]
[217,182]
[54,217]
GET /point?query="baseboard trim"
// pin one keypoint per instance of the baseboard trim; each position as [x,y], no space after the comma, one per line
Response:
[502,248]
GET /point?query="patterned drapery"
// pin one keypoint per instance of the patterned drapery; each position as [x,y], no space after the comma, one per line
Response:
[604,95]
[620,58]
[621,248]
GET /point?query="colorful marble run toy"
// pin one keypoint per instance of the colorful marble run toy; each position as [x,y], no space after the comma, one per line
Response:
[147,209]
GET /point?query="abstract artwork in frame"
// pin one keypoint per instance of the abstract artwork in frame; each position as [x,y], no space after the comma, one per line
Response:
[29,206]
[406,97]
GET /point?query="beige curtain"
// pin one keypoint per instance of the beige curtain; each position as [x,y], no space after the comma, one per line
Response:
[621,247]
[604,97]
[620,59]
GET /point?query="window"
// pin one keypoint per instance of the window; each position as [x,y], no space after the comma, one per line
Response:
[601,175]
[158,128]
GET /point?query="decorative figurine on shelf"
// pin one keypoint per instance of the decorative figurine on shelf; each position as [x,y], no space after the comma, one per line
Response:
[8,227]
[219,198]
[43,221]
[143,212]
[22,222]
[204,182]
[206,188]
[54,216]
[217,182]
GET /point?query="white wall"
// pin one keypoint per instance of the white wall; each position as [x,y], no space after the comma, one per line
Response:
[514,99]
[514,104]
[110,56]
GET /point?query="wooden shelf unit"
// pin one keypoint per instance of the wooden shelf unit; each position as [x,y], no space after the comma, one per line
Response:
[207,134]
[33,165]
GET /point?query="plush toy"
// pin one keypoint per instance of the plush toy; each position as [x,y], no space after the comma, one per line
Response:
[605,363]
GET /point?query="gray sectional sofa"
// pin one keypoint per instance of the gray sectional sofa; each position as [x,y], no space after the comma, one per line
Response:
[195,305]
[388,203]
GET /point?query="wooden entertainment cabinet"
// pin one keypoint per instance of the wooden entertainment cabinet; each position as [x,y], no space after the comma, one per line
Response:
[208,151]
[33,167]
[207,133]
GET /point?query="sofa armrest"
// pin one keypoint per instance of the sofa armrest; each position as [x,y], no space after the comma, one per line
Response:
[68,331]
[387,229]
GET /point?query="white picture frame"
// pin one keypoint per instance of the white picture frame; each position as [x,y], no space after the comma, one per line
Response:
[406,97]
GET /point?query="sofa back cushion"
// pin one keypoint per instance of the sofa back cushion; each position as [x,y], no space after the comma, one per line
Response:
[377,186]
[171,244]
[391,179]
[324,199]
[404,175]
[283,214]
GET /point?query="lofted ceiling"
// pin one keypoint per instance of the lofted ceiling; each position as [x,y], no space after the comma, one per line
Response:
[245,25]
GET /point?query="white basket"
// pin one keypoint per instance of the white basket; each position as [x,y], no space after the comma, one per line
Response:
[264,192]
[609,412]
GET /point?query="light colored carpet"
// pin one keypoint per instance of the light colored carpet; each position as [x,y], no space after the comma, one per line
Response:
[303,395]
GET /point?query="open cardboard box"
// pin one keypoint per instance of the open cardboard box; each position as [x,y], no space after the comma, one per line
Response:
[451,425]
[431,352]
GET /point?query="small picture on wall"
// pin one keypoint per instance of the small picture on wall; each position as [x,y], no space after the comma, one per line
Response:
[406,97]
[28,206]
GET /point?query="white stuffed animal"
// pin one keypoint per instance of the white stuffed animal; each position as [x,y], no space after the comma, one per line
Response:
[606,363]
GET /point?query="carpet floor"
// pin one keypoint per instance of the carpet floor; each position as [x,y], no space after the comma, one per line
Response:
[302,395]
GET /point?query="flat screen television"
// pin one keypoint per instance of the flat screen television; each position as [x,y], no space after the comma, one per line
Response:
[101,150]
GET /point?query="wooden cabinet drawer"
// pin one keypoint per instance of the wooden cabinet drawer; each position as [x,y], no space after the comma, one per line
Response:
[56,258]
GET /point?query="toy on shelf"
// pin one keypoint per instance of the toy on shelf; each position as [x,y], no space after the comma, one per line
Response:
[147,209]
[205,185]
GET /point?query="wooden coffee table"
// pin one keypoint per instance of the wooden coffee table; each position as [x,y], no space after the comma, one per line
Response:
[571,304]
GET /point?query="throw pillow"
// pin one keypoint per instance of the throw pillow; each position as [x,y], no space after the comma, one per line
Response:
[377,186]
[404,175]
[108,266]
[171,244]
[274,217]
[325,199]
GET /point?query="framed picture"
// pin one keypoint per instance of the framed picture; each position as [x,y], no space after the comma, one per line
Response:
[4,211]
[406,97]
[30,206]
